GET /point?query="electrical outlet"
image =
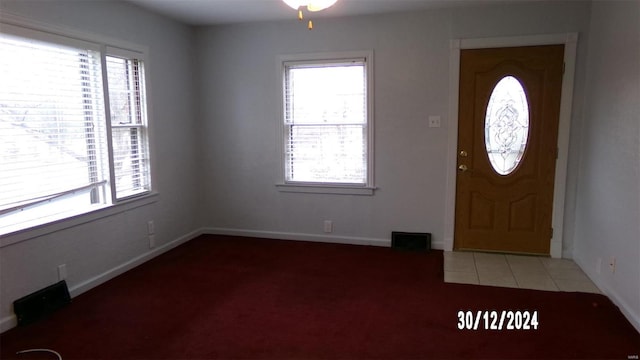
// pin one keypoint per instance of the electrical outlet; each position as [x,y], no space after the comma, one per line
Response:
[62,272]
[151,229]
[612,264]
[328,226]
[152,241]
[434,121]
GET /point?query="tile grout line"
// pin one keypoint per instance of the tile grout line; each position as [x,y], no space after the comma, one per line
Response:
[475,267]
[546,269]
[474,272]
[512,273]
[545,272]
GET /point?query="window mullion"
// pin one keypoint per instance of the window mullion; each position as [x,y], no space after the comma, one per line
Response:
[107,110]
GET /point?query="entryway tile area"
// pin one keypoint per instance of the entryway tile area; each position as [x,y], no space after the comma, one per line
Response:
[516,271]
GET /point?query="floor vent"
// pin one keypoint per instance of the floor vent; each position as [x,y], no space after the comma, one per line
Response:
[41,303]
[411,241]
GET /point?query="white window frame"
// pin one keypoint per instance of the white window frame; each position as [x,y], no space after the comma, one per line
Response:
[328,188]
[28,28]
[110,51]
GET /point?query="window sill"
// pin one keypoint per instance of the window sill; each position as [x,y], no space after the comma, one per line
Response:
[326,189]
[71,220]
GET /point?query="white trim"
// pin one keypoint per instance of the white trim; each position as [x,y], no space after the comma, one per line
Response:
[43,36]
[368,56]
[512,41]
[145,134]
[122,268]
[325,189]
[11,321]
[111,187]
[323,56]
[17,20]
[626,309]
[564,128]
[570,41]
[452,145]
[125,53]
[298,236]
[348,240]
[73,221]
[8,322]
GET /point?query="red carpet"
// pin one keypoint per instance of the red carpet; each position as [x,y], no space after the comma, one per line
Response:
[238,298]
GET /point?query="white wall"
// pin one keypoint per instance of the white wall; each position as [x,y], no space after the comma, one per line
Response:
[608,195]
[239,110]
[98,247]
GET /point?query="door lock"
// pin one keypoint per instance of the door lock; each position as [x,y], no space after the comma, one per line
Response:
[463,168]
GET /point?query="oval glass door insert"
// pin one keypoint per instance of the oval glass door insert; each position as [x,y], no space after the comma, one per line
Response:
[506,126]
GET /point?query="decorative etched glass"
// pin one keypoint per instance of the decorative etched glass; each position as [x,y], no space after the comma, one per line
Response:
[506,127]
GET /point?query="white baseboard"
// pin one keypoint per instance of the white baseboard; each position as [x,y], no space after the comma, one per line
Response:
[633,317]
[627,311]
[8,322]
[352,240]
[11,321]
[298,236]
[122,268]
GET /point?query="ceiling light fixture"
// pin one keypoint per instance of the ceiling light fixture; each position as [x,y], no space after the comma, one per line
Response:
[310,5]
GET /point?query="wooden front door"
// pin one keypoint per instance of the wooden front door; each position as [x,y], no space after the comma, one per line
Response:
[507,148]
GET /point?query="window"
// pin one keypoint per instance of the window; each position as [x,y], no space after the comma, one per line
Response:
[60,156]
[506,125]
[128,130]
[327,127]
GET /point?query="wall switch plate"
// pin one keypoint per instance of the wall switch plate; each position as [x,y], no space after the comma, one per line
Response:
[434,121]
[328,226]
[152,241]
[151,229]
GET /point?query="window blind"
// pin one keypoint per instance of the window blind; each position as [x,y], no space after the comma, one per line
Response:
[51,124]
[326,122]
[128,126]
[73,126]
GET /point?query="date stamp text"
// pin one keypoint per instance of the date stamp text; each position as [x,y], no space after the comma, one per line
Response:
[498,320]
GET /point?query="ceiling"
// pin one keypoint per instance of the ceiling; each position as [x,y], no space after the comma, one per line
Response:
[211,12]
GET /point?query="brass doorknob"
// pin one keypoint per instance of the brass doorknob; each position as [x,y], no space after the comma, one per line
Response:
[463,168]
[463,153]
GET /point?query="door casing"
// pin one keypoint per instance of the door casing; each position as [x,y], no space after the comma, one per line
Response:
[570,41]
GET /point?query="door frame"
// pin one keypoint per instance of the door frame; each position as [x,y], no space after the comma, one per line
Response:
[570,42]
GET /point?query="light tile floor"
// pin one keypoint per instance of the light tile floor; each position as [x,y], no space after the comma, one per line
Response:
[516,271]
